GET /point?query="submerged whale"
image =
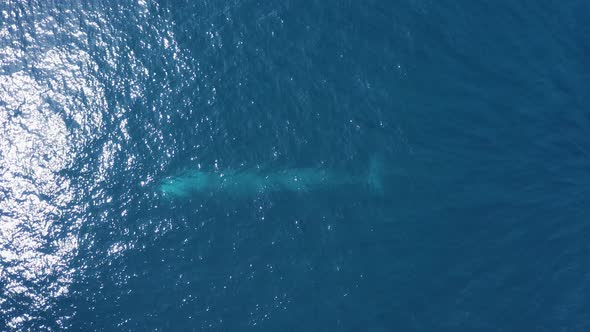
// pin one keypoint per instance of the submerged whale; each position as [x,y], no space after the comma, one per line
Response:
[247,182]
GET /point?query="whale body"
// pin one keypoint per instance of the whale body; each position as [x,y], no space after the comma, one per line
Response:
[251,182]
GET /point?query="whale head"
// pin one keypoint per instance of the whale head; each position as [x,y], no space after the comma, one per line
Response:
[184,185]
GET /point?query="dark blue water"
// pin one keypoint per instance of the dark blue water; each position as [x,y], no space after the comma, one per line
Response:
[478,113]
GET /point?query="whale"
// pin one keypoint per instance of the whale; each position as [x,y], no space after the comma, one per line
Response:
[251,182]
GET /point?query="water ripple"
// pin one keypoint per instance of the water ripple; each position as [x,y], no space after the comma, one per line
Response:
[58,65]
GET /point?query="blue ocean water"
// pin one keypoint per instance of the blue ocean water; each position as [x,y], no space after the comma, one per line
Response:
[477,114]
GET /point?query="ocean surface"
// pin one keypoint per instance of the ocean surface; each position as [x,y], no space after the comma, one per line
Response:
[476,113]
